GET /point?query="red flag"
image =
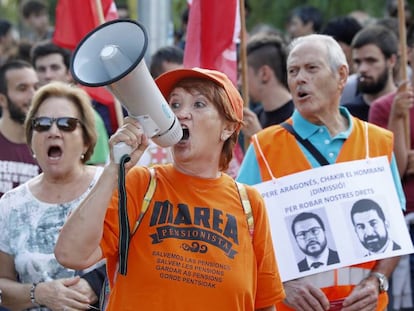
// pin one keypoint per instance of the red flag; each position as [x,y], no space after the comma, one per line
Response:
[212,32]
[74,20]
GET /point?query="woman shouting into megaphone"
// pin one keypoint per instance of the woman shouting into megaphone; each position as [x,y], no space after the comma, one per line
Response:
[198,240]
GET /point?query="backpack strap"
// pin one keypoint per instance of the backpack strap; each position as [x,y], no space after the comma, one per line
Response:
[125,234]
[307,144]
[152,185]
[244,198]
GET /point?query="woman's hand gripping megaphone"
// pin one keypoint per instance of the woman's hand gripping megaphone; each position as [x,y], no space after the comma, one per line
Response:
[129,139]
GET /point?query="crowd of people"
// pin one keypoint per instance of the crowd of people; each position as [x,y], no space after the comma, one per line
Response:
[188,231]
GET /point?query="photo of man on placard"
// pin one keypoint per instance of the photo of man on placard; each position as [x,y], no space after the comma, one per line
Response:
[309,232]
[371,227]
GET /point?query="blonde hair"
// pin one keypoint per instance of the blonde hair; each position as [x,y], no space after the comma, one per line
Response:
[82,102]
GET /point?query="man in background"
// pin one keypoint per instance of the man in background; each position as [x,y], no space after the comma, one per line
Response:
[304,20]
[36,17]
[166,58]
[375,55]
[18,83]
[343,29]
[267,83]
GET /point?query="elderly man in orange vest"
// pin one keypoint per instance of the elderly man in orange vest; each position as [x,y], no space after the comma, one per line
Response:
[317,72]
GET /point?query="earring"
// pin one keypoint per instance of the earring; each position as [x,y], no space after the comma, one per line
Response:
[34,156]
[82,156]
[223,137]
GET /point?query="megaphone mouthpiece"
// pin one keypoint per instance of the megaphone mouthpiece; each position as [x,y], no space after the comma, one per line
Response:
[114,60]
[109,51]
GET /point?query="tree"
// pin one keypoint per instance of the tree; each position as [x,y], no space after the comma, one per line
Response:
[277,12]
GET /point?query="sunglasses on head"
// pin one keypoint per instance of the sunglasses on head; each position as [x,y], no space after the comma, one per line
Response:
[43,124]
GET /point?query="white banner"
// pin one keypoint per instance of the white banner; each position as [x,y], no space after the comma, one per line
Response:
[330,192]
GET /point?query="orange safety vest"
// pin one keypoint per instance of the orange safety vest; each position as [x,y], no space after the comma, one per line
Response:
[285,157]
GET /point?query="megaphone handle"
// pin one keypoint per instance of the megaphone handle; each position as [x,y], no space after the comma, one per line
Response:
[120,149]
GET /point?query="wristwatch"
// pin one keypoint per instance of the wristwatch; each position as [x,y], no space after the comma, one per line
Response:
[383,281]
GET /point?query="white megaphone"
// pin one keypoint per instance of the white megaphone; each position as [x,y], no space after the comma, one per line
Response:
[112,55]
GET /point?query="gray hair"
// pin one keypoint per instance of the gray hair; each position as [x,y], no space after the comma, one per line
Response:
[336,56]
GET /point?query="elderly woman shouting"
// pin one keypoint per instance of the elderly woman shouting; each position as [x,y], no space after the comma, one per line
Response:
[60,131]
[193,249]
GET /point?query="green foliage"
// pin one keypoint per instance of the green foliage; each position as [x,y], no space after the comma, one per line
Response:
[276,13]
[178,6]
[9,10]
[52,9]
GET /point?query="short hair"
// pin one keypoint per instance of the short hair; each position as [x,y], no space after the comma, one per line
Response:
[13,64]
[365,205]
[391,23]
[45,48]
[30,7]
[266,49]
[381,36]
[391,7]
[342,28]
[410,35]
[308,13]
[5,27]
[336,56]
[305,216]
[171,54]
[217,95]
[82,102]
[24,46]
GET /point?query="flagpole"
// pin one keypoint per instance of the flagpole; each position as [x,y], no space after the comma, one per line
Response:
[403,63]
[99,10]
[117,104]
[243,63]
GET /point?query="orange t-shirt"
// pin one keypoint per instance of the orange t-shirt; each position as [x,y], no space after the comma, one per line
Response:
[193,249]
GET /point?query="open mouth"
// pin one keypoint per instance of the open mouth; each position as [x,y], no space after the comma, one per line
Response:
[302,94]
[186,134]
[54,152]
[363,78]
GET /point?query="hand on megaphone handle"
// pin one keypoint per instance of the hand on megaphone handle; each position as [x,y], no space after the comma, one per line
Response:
[128,139]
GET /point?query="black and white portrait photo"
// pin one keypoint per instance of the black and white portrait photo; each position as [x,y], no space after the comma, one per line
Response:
[310,233]
[372,227]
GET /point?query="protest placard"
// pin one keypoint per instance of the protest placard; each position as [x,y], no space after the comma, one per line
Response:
[330,192]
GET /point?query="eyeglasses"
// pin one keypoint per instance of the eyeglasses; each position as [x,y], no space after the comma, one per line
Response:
[43,124]
[303,234]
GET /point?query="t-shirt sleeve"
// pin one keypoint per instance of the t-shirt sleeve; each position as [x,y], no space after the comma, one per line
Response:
[378,113]
[4,224]
[269,285]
